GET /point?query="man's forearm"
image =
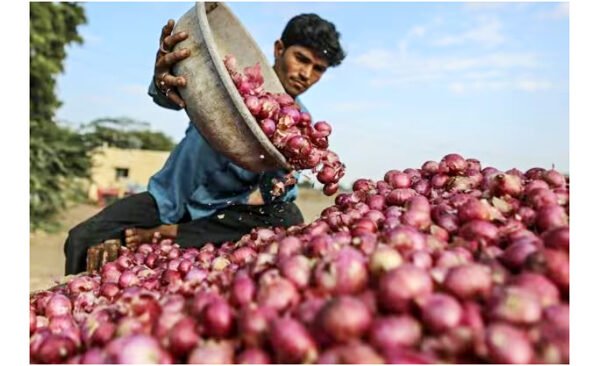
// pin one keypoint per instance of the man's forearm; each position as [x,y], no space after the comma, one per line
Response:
[161,99]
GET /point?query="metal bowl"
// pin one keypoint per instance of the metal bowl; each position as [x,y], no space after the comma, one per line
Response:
[212,101]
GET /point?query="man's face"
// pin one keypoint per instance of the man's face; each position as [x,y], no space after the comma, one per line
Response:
[297,67]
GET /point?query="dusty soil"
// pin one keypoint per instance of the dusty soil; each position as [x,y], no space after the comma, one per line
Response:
[46,258]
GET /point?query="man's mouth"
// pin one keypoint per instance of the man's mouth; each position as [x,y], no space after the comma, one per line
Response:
[298,84]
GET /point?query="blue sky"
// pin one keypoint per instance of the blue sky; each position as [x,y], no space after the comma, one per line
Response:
[486,80]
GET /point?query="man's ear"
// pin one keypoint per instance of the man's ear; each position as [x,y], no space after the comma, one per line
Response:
[278,48]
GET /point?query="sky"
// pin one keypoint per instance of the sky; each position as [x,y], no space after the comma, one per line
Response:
[486,80]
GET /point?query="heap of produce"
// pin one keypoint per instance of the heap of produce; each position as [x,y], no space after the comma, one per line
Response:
[446,263]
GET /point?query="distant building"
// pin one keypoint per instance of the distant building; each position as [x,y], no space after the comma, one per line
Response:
[120,172]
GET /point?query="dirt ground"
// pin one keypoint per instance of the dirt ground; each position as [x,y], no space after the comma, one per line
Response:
[46,258]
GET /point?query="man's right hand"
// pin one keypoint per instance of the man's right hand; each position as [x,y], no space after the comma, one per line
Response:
[164,80]
[100,254]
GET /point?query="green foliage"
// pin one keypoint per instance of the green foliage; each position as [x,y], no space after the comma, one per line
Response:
[52,27]
[126,133]
[58,155]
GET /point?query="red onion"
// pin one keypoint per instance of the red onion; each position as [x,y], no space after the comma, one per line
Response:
[398,180]
[344,318]
[479,230]
[554,178]
[383,259]
[474,209]
[456,164]
[58,305]
[515,305]
[183,336]
[289,246]
[297,269]
[547,293]
[552,263]
[218,318]
[291,341]
[515,255]
[344,273]
[557,238]
[551,217]
[393,332]
[253,324]
[243,289]
[32,321]
[253,356]
[212,352]
[355,352]
[405,237]
[430,168]
[55,348]
[507,344]
[399,196]
[94,356]
[507,184]
[420,258]
[278,295]
[440,312]
[468,280]
[82,284]
[398,286]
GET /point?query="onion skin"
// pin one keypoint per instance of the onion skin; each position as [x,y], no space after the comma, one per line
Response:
[507,344]
[344,318]
[440,312]
[254,356]
[468,281]
[515,305]
[211,352]
[183,337]
[58,305]
[292,342]
[393,332]
[398,286]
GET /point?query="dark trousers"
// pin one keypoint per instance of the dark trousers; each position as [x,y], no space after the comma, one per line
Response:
[140,211]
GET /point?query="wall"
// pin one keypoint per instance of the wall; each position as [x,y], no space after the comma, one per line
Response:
[141,165]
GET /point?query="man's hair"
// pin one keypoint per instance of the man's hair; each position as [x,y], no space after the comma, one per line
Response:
[316,33]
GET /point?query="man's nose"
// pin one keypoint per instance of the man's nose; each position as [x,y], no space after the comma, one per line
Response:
[305,72]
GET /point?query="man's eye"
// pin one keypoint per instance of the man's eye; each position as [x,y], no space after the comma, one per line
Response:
[302,59]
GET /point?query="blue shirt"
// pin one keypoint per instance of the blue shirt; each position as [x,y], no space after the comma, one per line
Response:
[199,180]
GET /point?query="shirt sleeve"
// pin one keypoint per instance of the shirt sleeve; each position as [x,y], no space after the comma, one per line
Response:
[161,99]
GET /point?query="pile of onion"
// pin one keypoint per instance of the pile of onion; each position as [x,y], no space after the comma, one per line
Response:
[304,144]
[446,263]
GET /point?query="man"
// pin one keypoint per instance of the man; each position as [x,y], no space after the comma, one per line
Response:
[199,195]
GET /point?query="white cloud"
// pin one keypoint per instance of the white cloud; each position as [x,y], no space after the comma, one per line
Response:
[401,63]
[488,32]
[520,84]
[457,87]
[560,11]
[532,85]
[375,59]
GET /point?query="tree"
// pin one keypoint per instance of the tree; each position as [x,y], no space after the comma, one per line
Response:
[126,133]
[58,154]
